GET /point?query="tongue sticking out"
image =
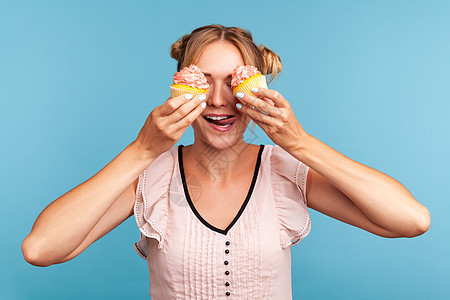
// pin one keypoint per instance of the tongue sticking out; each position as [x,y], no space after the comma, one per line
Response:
[223,122]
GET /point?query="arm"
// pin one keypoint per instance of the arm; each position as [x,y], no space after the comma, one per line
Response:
[84,214]
[72,222]
[357,194]
[338,186]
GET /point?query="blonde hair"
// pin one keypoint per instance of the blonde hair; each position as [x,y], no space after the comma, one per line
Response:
[188,48]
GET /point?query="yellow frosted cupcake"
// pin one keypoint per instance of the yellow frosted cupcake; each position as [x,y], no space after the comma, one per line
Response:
[189,80]
[243,78]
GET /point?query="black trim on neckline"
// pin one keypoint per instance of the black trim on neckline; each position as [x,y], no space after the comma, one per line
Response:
[241,210]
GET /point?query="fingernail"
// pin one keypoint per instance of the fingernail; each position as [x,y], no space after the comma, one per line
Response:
[202,97]
[239,94]
[254,89]
[239,105]
[203,104]
[188,96]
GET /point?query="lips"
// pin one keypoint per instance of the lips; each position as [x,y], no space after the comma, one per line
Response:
[222,122]
[220,128]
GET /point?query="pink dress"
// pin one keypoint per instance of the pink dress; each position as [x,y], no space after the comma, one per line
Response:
[188,258]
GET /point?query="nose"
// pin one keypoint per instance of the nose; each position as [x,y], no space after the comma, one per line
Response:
[216,96]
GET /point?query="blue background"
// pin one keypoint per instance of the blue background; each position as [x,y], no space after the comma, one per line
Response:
[368,78]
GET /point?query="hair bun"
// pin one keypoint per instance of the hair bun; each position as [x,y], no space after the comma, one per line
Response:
[272,62]
[178,48]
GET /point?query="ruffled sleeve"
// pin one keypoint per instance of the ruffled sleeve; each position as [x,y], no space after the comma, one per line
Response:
[152,203]
[288,176]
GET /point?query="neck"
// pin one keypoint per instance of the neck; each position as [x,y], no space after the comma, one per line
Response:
[215,163]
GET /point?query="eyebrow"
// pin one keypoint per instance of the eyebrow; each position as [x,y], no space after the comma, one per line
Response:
[209,74]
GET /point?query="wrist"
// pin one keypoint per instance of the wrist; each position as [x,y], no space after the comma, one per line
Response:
[141,152]
[302,142]
[302,145]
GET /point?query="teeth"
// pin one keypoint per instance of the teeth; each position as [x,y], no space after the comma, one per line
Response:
[216,118]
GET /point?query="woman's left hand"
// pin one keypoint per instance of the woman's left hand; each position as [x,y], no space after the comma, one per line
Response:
[280,123]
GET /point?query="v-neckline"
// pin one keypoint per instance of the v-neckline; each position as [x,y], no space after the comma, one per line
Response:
[241,210]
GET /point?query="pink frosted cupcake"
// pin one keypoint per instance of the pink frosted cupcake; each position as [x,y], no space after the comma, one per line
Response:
[243,78]
[189,80]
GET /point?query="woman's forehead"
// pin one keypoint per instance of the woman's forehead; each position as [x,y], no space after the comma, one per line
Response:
[218,59]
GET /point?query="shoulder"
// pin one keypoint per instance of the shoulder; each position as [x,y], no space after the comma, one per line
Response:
[284,164]
[151,206]
[164,160]
[288,180]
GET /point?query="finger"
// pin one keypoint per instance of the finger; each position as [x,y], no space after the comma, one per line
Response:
[268,100]
[185,109]
[193,114]
[273,95]
[260,104]
[257,116]
[173,103]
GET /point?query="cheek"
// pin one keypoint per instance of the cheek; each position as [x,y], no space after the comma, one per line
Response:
[197,122]
[242,120]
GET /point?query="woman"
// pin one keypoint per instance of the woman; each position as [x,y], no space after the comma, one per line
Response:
[218,217]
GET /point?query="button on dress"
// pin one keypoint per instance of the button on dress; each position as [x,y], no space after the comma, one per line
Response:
[188,258]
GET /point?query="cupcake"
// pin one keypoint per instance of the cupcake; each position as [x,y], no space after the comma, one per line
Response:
[190,80]
[243,78]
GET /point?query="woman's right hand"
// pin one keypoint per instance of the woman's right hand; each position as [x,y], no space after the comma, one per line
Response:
[166,123]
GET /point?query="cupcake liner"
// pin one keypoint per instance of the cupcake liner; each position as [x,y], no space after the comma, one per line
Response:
[258,80]
[178,90]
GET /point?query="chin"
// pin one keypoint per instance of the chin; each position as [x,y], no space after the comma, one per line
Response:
[220,139]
